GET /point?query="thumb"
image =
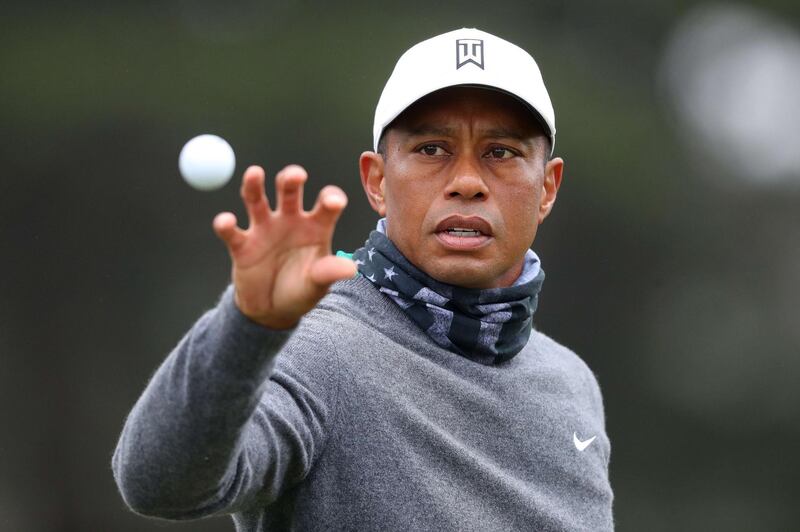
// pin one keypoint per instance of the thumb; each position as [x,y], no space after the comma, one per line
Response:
[327,270]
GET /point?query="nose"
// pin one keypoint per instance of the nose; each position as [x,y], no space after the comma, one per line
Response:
[466,180]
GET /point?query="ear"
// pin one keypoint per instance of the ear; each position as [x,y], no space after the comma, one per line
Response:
[371,166]
[553,172]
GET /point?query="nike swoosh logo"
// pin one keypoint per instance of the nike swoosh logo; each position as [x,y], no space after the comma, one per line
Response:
[581,445]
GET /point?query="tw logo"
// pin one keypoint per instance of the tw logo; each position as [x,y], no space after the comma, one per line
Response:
[469,51]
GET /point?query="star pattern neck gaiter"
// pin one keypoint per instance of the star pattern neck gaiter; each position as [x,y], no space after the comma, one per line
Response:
[488,326]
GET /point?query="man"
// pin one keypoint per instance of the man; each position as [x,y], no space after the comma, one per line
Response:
[415,394]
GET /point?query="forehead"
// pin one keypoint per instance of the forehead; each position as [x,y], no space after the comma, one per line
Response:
[480,107]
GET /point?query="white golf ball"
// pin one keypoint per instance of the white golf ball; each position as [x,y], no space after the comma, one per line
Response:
[207,162]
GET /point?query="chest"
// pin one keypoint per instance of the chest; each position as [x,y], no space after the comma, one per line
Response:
[530,428]
[520,423]
[501,449]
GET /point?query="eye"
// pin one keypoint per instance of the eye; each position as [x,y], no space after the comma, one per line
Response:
[500,153]
[432,150]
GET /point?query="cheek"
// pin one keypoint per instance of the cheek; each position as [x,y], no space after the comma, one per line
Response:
[520,207]
[403,213]
[409,198]
[522,199]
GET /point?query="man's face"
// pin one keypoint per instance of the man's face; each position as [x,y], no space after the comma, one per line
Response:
[464,184]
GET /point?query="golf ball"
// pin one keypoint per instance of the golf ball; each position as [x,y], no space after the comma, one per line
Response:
[207,162]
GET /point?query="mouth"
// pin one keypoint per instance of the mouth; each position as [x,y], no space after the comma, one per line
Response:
[463,232]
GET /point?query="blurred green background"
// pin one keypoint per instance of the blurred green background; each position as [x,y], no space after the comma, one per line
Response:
[672,264]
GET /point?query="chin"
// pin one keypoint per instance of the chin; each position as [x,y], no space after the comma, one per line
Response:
[459,275]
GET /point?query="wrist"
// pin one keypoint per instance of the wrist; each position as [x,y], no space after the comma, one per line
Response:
[273,322]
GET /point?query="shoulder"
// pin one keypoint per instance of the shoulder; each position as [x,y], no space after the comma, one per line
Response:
[312,356]
[343,312]
[341,317]
[354,307]
[544,351]
[554,352]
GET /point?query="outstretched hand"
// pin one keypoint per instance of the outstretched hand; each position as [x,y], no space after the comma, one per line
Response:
[282,263]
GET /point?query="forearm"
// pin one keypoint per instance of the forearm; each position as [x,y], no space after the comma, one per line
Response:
[179,450]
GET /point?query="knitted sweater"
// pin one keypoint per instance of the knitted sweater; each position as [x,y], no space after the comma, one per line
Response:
[356,420]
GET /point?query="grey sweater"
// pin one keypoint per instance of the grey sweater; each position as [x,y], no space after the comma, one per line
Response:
[356,420]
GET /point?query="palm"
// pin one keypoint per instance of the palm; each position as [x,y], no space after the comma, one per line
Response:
[282,264]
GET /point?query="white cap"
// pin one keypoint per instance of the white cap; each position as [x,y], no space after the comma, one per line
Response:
[464,57]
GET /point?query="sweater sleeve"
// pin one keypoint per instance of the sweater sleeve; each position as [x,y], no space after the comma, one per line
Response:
[225,422]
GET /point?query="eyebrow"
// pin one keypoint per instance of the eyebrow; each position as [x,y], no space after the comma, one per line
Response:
[444,131]
[505,133]
[429,129]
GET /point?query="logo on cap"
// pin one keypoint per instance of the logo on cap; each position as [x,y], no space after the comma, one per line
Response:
[469,51]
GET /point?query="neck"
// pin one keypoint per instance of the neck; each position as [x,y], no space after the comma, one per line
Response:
[488,326]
